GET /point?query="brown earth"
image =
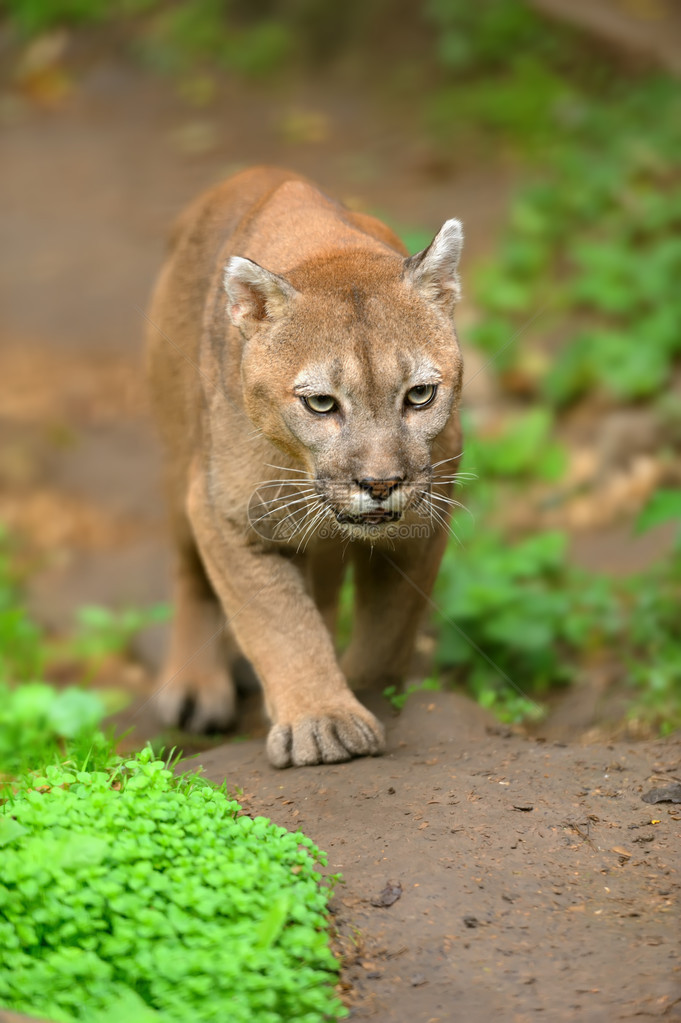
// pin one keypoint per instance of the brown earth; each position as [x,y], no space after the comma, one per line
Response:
[569,909]
[535,882]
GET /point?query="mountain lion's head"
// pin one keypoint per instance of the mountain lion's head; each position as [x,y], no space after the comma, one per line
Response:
[351,365]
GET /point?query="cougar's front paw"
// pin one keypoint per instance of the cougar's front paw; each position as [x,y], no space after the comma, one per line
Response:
[327,738]
[203,704]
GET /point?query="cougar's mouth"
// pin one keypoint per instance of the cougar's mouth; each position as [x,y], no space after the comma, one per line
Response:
[375,517]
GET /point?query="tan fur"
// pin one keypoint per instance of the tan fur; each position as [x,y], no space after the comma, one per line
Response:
[328,305]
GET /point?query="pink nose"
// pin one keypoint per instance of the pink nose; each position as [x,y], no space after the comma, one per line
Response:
[379,489]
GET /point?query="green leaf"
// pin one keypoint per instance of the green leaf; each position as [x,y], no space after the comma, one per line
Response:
[627,366]
[10,830]
[664,506]
[572,372]
[502,293]
[31,702]
[526,445]
[127,1006]
[74,711]
[273,923]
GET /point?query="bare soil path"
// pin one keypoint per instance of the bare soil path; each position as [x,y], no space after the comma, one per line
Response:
[535,882]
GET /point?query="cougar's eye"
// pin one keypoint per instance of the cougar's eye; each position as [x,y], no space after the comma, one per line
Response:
[420,395]
[320,403]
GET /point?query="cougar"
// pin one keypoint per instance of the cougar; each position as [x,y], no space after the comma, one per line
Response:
[305,375]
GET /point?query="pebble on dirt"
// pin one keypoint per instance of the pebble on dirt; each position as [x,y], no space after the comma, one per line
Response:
[390,894]
[666,794]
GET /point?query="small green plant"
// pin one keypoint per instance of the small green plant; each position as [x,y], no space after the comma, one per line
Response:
[101,631]
[22,653]
[131,893]
[487,35]
[397,698]
[98,631]
[518,619]
[524,447]
[654,646]
[186,35]
[173,37]
[510,601]
[653,652]
[38,722]
[664,506]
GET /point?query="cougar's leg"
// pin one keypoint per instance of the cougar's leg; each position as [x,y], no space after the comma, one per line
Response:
[316,719]
[195,690]
[392,588]
[326,568]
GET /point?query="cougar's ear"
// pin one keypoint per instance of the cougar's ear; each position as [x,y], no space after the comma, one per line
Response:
[254,294]
[434,270]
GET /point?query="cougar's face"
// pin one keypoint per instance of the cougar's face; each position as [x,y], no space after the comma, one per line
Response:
[351,365]
[369,430]
[362,409]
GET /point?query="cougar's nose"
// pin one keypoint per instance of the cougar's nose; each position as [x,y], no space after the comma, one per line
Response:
[380,490]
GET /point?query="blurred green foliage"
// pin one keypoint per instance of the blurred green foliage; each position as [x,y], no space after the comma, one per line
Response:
[184,35]
[490,35]
[172,37]
[516,618]
[31,17]
[596,237]
[22,652]
[242,36]
[581,297]
[524,449]
[100,632]
[39,721]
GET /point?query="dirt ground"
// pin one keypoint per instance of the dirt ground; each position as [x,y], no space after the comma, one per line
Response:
[533,879]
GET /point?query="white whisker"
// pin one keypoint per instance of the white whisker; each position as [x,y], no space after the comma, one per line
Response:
[446,499]
[309,531]
[443,461]
[457,504]
[308,509]
[440,518]
[309,502]
[280,527]
[283,496]
[284,506]
[282,483]
[451,503]
[288,468]
[458,477]
[308,522]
